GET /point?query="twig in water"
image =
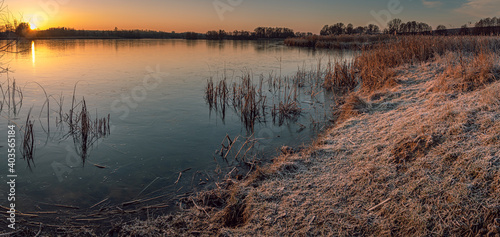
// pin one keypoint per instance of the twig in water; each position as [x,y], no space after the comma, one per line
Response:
[99,203]
[180,174]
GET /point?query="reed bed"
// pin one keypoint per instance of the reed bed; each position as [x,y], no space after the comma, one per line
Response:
[375,66]
[337,42]
[340,77]
[277,97]
[244,97]
[253,102]
[379,56]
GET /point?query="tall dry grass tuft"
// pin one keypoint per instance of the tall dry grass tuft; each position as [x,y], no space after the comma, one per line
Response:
[235,213]
[352,106]
[491,95]
[340,77]
[467,72]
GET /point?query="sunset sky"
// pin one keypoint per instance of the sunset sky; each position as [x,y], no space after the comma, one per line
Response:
[202,15]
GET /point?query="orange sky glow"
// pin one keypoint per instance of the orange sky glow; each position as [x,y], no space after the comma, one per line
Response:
[204,15]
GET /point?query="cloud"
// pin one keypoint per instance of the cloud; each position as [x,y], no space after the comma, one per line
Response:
[480,8]
[432,4]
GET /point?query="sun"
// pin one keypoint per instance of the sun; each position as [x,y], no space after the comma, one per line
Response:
[32,26]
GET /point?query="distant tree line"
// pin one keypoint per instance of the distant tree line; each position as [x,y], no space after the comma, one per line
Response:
[23,30]
[130,34]
[258,33]
[342,29]
[487,26]
[397,26]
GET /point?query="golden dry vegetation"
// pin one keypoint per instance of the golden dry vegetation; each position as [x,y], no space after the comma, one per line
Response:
[415,151]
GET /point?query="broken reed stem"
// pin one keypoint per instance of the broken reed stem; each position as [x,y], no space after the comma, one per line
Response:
[28,140]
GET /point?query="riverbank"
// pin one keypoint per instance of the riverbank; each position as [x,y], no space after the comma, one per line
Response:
[412,151]
[417,156]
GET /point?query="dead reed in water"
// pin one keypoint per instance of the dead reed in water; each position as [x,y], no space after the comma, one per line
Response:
[12,96]
[28,140]
[217,95]
[85,130]
[288,107]
[254,101]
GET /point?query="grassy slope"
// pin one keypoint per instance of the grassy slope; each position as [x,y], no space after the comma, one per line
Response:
[429,157]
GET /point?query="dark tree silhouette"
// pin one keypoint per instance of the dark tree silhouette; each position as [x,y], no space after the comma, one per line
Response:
[487,26]
[349,29]
[464,30]
[394,26]
[23,29]
[340,29]
[359,30]
[372,29]
[441,27]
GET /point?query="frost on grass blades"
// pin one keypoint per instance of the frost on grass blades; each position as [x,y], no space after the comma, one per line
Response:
[11,176]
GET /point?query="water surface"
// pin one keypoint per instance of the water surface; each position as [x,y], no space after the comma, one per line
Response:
[161,124]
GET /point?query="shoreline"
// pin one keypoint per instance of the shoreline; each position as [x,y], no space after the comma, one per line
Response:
[414,154]
[387,169]
[145,38]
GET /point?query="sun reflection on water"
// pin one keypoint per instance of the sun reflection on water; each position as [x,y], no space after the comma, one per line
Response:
[33,52]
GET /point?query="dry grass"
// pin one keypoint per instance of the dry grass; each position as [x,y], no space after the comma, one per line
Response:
[340,77]
[467,72]
[491,96]
[350,107]
[375,65]
[410,162]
